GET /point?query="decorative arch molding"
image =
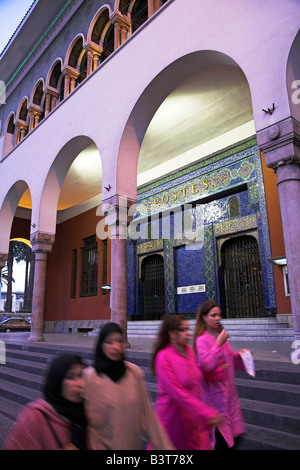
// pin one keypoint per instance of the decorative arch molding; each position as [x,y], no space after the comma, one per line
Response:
[10,120]
[46,214]
[51,69]
[149,102]
[7,212]
[101,10]
[39,83]
[293,77]
[71,48]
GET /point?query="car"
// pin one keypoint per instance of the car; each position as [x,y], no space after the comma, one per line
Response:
[15,324]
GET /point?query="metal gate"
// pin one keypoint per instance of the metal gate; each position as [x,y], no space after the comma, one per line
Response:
[153,287]
[242,277]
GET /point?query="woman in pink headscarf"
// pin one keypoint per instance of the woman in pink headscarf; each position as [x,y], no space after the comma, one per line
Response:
[179,405]
[218,362]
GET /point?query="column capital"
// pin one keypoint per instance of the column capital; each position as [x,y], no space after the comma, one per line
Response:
[35,108]
[117,17]
[49,90]
[280,143]
[117,214]
[70,71]
[92,47]
[42,241]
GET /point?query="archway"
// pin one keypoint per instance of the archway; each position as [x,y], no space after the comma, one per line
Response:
[193,75]
[243,294]
[153,287]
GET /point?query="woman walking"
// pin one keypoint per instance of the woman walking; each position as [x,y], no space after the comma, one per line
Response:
[179,405]
[117,403]
[57,421]
[218,362]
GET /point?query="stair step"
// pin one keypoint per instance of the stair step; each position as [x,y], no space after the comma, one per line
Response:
[27,379]
[19,393]
[261,438]
[9,408]
[239,329]
[287,394]
[270,402]
[271,415]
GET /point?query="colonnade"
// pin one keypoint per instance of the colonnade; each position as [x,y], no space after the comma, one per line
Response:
[280,146]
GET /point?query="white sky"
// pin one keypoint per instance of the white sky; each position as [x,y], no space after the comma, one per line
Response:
[11,14]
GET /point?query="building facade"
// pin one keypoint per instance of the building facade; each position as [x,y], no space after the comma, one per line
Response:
[152,148]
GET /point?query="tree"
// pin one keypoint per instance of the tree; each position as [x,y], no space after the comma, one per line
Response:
[19,251]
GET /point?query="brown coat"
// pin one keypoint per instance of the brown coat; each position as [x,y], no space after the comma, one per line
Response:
[120,414]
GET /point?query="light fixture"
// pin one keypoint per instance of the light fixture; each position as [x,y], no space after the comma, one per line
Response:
[279,260]
[105,287]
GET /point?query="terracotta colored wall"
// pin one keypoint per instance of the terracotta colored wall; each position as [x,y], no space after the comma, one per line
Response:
[58,302]
[276,235]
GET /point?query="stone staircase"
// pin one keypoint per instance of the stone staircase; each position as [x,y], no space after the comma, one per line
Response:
[270,402]
[250,329]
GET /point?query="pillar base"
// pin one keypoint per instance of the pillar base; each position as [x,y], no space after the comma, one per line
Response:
[36,337]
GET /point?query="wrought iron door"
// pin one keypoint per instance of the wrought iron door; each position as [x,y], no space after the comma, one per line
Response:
[242,273]
[153,287]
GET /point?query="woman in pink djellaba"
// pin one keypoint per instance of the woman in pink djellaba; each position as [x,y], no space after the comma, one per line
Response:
[179,405]
[217,361]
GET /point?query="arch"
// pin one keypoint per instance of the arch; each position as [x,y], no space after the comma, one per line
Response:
[122,6]
[234,209]
[139,13]
[10,123]
[7,212]
[53,76]
[37,95]
[242,277]
[293,77]
[22,113]
[153,291]
[74,51]
[149,102]
[98,23]
[9,134]
[47,210]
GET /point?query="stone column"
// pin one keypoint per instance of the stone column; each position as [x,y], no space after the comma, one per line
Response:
[89,62]
[41,246]
[121,28]
[47,104]
[31,120]
[93,52]
[66,85]
[280,144]
[35,113]
[116,216]
[17,133]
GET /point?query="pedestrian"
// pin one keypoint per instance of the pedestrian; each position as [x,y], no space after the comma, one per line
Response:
[179,405]
[117,403]
[56,421]
[218,362]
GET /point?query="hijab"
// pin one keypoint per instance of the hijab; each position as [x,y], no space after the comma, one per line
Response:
[74,412]
[103,365]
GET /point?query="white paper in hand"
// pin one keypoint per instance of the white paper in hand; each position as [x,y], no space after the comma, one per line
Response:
[248,361]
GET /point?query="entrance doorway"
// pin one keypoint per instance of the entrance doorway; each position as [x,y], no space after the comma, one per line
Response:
[241,286]
[153,287]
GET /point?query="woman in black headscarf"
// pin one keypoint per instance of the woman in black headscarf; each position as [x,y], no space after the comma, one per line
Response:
[117,403]
[58,420]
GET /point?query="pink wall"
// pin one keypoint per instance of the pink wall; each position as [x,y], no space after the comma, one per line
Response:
[58,302]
